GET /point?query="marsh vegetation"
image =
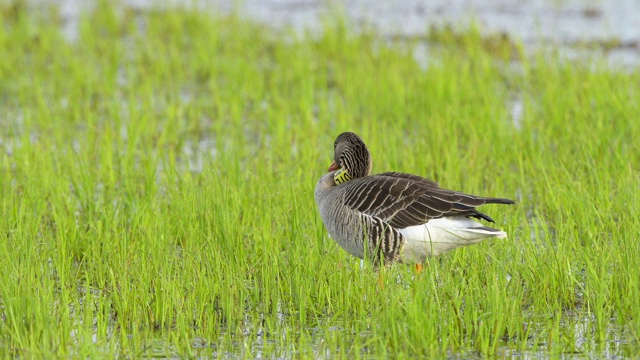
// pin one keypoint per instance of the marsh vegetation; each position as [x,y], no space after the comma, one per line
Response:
[157,176]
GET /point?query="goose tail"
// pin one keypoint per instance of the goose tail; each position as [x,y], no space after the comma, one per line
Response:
[439,236]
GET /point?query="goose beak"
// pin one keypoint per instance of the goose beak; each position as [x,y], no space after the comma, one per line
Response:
[333,166]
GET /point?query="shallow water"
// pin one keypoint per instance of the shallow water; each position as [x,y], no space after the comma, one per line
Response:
[580,27]
[579,327]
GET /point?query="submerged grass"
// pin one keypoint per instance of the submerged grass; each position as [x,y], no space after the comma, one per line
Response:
[157,177]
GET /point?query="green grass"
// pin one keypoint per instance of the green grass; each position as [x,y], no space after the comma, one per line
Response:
[157,176]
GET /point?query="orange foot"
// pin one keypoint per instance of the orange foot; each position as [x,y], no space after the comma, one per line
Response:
[418,268]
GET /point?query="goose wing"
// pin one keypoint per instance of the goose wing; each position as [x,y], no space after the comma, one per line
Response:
[403,200]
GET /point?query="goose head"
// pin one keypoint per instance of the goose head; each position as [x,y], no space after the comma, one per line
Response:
[351,158]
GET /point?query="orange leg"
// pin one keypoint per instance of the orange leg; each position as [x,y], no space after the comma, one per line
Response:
[418,268]
[380,280]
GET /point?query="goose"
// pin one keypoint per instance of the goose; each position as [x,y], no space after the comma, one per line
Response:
[394,217]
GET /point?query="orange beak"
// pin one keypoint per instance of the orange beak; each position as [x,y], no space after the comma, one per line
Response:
[333,166]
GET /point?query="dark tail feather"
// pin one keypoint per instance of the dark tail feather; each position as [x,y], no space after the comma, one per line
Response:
[499,201]
[478,215]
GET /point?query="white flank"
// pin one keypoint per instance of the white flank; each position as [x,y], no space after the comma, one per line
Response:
[439,236]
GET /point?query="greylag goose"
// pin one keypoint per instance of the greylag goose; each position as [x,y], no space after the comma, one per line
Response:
[395,217]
